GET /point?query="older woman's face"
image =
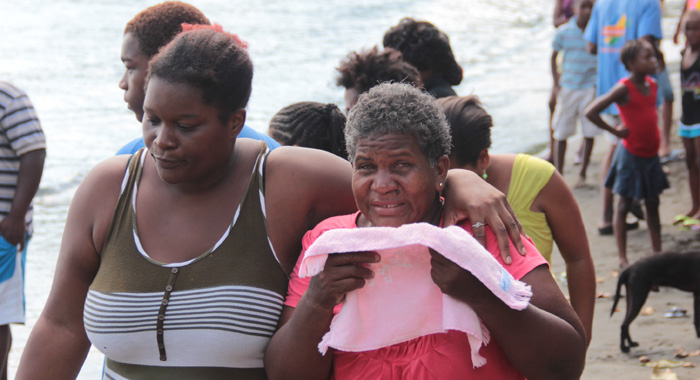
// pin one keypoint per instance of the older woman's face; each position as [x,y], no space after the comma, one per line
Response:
[393,181]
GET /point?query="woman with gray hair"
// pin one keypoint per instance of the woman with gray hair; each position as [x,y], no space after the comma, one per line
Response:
[398,142]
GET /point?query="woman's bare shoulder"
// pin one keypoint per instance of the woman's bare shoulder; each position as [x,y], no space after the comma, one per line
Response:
[97,194]
[287,165]
[106,174]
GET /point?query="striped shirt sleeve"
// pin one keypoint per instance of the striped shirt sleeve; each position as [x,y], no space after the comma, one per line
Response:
[19,121]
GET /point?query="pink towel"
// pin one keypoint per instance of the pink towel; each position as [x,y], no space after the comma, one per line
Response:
[402,302]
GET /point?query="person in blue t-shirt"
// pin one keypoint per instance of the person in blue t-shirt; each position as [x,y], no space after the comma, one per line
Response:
[144,35]
[612,23]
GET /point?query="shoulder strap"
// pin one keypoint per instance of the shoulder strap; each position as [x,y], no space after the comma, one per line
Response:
[122,210]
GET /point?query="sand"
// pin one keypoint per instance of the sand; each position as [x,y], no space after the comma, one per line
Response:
[659,337]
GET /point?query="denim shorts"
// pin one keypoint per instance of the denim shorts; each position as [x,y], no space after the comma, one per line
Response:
[635,177]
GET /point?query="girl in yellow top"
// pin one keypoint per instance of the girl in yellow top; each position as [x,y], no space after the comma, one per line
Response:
[541,199]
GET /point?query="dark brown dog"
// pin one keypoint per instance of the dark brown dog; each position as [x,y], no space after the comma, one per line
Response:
[676,269]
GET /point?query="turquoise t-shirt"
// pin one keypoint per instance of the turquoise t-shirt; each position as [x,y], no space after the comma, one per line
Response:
[612,23]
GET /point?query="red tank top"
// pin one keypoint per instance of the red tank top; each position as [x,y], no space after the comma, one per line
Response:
[640,117]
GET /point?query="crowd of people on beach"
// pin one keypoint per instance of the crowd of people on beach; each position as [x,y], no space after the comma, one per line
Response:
[215,276]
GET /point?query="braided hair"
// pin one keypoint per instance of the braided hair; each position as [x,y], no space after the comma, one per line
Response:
[311,125]
[424,46]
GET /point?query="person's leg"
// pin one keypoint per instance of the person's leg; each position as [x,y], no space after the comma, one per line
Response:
[653,223]
[613,120]
[5,344]
[692,162]
[560,151]
[666,123]
[607,217]
[563,125]
[623,207]
[552,105]
[587,150]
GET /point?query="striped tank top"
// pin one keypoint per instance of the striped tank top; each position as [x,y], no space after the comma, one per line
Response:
[207,318]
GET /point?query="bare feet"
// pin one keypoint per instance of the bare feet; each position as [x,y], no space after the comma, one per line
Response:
[581,183]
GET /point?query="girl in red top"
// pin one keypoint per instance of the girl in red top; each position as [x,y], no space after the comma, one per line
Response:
[636,171]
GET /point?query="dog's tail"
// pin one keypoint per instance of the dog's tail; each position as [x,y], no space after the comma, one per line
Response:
[620,280]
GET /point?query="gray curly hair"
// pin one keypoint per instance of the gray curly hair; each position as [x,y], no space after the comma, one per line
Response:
[399,108]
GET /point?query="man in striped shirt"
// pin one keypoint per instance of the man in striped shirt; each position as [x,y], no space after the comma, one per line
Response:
[22,153]
[575,86]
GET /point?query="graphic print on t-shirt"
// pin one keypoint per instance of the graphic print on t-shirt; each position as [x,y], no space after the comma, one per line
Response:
[613,35]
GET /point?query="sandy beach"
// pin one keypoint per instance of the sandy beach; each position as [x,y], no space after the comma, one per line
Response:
[659,337]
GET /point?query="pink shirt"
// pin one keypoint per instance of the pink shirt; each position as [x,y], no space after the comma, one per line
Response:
[436,356]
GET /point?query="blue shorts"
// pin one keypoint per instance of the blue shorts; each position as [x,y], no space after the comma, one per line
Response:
[635,177]
[688,131]
[665,90]
[12,264]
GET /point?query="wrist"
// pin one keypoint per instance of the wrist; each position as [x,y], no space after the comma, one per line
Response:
[15,215]
[321,306]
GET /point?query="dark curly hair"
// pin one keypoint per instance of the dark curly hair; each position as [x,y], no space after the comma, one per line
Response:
[311,125]
[212,61]
[368,68]
[155,26]
[424,46]
[470,127]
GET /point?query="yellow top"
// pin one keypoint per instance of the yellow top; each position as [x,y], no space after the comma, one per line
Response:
[529,177]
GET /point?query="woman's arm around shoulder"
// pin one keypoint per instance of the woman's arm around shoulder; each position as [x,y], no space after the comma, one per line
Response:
[564,218]
[58,343]
[302,188]
[467,196]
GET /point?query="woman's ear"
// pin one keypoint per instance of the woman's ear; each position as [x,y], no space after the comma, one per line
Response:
[483,161]
[236,122]
[441,167]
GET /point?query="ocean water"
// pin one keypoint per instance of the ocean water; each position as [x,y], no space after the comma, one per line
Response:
[65,55]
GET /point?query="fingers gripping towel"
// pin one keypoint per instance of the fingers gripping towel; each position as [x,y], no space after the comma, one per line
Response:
[402,302]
